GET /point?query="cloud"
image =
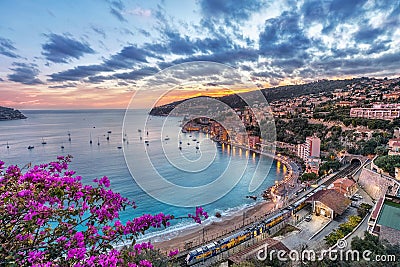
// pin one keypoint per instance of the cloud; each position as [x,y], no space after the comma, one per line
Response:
[24,73]
[77,73]
[137,74]
[229,9]
[140,12]
[66,85]
[144,32]
[99,31]
[7,48]
[283,37]
[61,48]
[128,57]
[116,13]
[118,4]
[367,35]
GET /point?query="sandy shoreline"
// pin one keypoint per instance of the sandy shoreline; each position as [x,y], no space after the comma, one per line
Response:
[194,237]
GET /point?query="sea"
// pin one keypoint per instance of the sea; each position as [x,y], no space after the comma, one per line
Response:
[181,159]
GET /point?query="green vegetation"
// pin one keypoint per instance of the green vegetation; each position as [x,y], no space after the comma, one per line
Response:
[369,242]
[363,209]
[329,165]
[388,163]
[296,130]
[343,230]
[308,177]
[373,146]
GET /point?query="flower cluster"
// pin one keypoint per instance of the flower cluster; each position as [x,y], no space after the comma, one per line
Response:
[200,213]
[49,218]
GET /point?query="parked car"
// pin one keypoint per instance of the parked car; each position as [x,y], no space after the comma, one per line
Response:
[354,198]
[308,218]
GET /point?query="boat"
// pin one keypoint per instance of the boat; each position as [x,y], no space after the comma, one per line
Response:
[31,147]
[69,136]
[8,145]
[197,147]
[166,138]
[98,141]
[180,142]
[146,141]
[108,136]
[109,132]
[180,148]
[194,139]
[43,142]
[188,143]
[62,147]
[252,197]
[139,131]
[90,142]
[119,147]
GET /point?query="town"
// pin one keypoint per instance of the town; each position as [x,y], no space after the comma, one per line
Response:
[346,144]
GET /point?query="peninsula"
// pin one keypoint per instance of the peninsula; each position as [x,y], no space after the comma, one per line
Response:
[10,114]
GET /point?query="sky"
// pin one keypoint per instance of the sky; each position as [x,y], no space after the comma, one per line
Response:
[96,53]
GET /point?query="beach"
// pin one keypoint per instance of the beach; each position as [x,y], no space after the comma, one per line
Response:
[193,238]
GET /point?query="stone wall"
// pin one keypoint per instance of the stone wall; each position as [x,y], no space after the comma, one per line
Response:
[373,183]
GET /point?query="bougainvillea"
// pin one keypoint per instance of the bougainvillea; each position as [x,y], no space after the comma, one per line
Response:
[49,218]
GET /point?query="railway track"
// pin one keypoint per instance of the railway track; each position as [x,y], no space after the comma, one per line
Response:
[349,170]
[343,173]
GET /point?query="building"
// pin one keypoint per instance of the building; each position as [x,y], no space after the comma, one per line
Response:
[311,148]
[378,111]
[254,141]
[394,146]
[384,221]
[329,203]
[312,165]
[345,186]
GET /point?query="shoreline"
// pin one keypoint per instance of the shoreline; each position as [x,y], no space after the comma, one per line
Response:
[193,237]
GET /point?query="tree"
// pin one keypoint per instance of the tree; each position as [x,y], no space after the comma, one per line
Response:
[309,176]
[49,218]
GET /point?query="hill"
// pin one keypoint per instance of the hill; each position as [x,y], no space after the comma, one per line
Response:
[10,114]
[271,94]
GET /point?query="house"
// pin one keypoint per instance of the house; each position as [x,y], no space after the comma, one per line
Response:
[345,186]
[329,203]
[394,146]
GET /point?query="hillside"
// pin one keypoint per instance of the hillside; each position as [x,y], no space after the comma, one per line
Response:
[271,94]
[10,114]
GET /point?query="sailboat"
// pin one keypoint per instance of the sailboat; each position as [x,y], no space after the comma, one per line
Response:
[108,136]
[43,142]
[69,136]
[98,141]
[90,142]
[8,145]
[62,146]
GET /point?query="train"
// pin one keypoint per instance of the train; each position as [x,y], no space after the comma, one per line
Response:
[214,248]
[217,247]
